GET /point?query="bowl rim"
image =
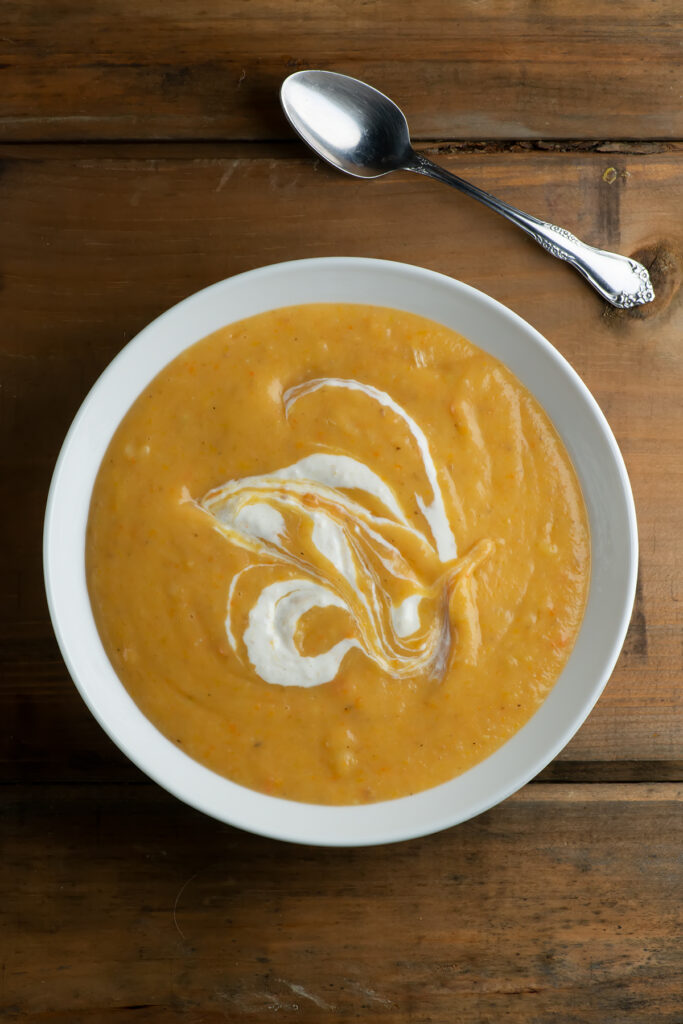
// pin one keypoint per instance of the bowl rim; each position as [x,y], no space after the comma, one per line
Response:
[443,806]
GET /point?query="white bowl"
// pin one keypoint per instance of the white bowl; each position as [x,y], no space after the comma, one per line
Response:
[495,329]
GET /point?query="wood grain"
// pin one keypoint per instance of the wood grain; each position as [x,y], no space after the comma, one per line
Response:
[558,906]
[100,240]
[173,69]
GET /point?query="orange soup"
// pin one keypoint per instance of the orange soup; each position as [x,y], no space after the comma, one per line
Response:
[337,553]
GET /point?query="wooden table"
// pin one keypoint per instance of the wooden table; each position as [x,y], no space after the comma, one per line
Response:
[144,156]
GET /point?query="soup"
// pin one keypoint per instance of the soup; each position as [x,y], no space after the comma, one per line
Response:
[337,553]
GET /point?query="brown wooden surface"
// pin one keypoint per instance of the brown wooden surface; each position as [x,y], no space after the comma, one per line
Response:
[178,918]
[461,69]
[189,921]
[118,904]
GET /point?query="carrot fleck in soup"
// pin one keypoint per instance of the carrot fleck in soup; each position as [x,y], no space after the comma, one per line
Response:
[337,553]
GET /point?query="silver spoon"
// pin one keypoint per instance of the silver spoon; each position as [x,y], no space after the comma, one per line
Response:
[362,132]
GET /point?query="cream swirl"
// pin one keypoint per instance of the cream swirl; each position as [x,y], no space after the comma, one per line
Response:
[335,535]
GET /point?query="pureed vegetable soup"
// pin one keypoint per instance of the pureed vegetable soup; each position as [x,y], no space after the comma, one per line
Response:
[337,553]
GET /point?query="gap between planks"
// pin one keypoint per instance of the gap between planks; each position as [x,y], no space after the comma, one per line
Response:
[291,148]
[549,792]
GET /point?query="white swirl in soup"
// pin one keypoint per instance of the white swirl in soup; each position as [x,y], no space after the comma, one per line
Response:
[303,518]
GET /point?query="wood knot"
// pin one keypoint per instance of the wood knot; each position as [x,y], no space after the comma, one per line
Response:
[664,262]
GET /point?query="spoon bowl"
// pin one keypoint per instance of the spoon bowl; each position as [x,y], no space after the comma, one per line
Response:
[354,127]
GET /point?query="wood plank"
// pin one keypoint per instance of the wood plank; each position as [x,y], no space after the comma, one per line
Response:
[561,905]
[99,240]
[90,69]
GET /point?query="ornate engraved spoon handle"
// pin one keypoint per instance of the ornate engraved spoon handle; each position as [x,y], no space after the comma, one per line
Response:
[622,281]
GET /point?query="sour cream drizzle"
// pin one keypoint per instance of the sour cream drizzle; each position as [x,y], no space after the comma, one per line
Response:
[401,621]
[435,512]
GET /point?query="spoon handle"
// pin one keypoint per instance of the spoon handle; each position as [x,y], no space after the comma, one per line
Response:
[619,279]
